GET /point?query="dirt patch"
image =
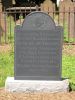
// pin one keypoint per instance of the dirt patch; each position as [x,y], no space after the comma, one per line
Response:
[36,96]
[69,50]
[5,48]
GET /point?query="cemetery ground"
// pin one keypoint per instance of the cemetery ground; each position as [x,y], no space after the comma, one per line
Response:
[7,63]
[36,96]
[7,68]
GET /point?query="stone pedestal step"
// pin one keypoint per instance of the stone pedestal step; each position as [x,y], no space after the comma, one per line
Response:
[12,85]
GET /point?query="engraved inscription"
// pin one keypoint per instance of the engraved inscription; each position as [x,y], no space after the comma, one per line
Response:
[38,22]
[38,50]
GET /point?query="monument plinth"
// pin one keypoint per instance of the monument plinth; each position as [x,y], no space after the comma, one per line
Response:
[38,54]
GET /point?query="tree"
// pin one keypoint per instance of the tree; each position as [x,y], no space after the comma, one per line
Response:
[36,2]
[23,2]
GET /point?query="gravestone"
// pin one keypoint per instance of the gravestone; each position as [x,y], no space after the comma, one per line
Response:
[38,55]
[48,6]
[38,48]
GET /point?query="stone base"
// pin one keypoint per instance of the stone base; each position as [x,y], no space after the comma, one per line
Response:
[12,85]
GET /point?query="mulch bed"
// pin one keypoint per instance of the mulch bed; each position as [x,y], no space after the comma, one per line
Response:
[36,96]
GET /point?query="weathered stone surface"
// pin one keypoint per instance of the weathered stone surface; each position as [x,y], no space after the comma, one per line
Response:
[12,85]
[48,7]
[38,48]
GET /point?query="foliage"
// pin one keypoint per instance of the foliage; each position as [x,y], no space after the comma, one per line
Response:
[6,66]
[22,2]
[37,2]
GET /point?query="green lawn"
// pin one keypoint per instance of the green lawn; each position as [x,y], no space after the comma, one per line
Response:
[68,69]
[7,67]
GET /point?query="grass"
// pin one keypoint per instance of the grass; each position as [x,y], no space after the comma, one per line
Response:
[68,69]
[66,36]
[10,24]
[7,67]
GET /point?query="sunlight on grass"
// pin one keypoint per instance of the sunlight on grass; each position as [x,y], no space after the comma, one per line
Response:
[68,69]
[6,66]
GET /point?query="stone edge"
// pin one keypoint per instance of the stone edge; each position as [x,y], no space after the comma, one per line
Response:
[30,86]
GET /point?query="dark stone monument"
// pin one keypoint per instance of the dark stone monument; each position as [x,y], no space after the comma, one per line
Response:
[38,48]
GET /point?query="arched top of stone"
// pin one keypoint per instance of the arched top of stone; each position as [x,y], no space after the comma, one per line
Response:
[38,21]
